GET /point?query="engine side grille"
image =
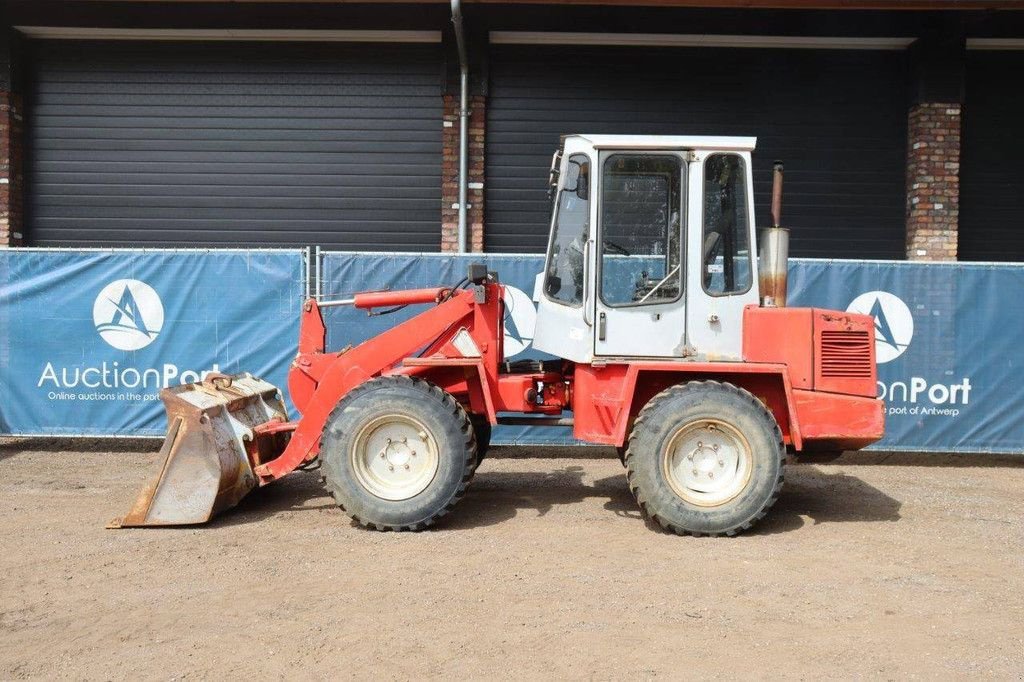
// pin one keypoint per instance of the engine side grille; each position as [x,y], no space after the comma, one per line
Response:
[846,354]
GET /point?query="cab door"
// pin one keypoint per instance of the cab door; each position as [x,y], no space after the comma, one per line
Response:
[639,307]
[723,265]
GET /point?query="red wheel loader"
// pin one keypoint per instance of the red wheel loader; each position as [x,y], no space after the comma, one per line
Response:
[673,344]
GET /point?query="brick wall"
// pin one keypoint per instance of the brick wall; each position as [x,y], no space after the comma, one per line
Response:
[933,180]
[450,174]
[10,170]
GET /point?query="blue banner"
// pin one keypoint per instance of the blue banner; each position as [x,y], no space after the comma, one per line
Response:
[947,335]
[88,338]
[947,344]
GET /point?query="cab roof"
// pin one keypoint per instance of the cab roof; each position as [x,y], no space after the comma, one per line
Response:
[737,144]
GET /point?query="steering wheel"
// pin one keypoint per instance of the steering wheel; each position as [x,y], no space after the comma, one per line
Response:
[609,245]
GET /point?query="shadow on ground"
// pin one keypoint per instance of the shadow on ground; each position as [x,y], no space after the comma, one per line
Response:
[498,496]
[300,491]
[817,495]
[821,496]
[811,495]
[14,445]
[932,459]
[854,458]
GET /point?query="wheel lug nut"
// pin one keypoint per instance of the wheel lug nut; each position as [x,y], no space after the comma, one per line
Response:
[700,444]
[715,446]
[694,472]
[721,463]
[413,453]
[711,474]
[406,467]
[391,468]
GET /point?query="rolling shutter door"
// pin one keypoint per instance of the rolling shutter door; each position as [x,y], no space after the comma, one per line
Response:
[235,144]
[991,225]
[837,118]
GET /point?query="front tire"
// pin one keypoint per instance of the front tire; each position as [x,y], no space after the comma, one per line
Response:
[397,453]
[705,458]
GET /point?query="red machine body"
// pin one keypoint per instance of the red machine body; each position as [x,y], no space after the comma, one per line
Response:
[813,369]
[668,353]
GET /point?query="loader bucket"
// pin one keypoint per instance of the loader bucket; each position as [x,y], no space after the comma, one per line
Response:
[210,449]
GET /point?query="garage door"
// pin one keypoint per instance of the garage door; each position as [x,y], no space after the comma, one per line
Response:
[991,187]
[837,118]
[232,144]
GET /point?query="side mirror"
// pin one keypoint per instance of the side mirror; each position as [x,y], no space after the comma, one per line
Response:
[582,188]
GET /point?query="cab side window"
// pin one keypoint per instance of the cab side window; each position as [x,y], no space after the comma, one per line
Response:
[563,281]
[726,265]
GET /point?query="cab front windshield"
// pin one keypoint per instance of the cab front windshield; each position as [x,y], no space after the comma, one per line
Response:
[563,278]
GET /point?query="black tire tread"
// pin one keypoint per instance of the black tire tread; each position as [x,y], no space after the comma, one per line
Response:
[672,392]
[430,392]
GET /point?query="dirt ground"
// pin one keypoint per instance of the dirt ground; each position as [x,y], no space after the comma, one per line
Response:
[877,566]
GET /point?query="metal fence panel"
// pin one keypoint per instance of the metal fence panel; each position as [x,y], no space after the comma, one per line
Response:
[88,337]
[948,335]
[948,343]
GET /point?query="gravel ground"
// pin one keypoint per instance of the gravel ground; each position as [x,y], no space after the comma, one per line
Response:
[877,566]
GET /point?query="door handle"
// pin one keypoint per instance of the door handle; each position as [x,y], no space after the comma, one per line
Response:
[602,324]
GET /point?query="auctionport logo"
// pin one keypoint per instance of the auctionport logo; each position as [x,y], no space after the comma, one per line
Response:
[128,314]
[913,396]
[894,325]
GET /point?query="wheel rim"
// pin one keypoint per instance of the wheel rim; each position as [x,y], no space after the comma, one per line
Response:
[708,462]
[395,457]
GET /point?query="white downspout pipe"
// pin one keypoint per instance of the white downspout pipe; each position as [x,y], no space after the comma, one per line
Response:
[463,123]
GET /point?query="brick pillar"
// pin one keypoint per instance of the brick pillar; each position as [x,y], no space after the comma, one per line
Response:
[450,174]
[10,170]
[933,180]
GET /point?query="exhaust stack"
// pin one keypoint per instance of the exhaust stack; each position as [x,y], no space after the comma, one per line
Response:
[773,261]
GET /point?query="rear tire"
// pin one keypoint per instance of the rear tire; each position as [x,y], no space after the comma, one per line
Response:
[397,453]
[705,458]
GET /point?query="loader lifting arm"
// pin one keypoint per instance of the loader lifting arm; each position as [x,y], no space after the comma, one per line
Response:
[319,380]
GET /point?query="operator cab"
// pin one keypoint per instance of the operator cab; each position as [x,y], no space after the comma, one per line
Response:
[651,251]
